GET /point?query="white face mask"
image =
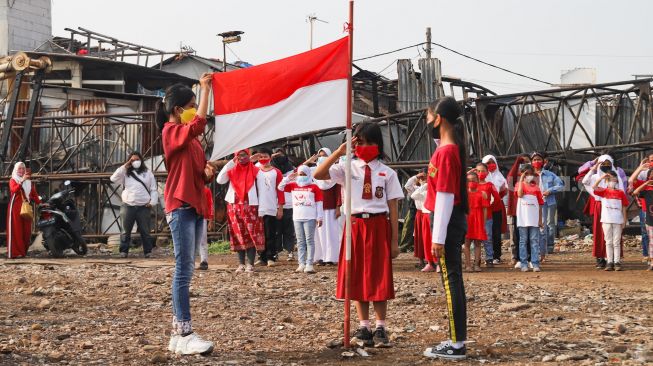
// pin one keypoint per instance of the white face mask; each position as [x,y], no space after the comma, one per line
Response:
[136,164]
[612,185]
[529,178]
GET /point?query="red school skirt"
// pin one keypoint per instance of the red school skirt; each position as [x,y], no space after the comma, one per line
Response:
[427,236]
[418,235]
[371,261]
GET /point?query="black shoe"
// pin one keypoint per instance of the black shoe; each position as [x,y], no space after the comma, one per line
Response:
[609,267]
[203,266]
[446,351]
[364,335]
[319,263]
[380,338]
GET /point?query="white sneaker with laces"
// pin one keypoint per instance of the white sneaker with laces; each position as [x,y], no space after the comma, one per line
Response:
[172,345]
[309,269]
[300,268]
[496,261]
[240,268]
[518,265]
[537,269]
[193,344]
[530,265]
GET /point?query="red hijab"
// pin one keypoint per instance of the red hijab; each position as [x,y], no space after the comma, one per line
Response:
[243,177]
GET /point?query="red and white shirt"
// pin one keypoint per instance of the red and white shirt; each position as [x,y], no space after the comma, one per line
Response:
[528,206]
[269,197]
[306,201]
[443,175]
[385,185]
[612,203]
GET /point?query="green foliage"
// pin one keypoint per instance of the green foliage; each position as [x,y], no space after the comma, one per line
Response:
[219,247]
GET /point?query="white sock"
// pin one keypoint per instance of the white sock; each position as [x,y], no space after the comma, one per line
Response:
[380,323]
[457,345]
[365,324]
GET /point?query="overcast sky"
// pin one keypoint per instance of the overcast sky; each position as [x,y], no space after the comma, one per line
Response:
[536,38]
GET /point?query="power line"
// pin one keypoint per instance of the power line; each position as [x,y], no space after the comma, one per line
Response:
[460,54]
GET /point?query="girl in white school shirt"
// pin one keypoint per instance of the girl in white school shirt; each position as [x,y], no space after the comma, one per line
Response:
[375,190]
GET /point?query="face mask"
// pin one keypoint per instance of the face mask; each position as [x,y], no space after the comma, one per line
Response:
[243,160]
[136,164]
[367,153]
[482,175]
[492,167]
[538,164]
[612,185]
[321,160]
[472,185]
[606,168]
[529,179]
[187,115]
[342,160]
[264,161]
[303,180]
[435,132]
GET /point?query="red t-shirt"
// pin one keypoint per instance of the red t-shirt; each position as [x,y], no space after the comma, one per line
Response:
[642,201]
[443,174]
[185,161]
[493,197]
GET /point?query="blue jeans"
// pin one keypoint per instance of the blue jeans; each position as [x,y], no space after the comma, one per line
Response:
[305,233]
[547,237]
[489,249]
[187,229]
[642,224]
[533,233]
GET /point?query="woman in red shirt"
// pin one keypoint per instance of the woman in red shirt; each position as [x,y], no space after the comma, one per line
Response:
[185,205]
[19,230]
[447,200]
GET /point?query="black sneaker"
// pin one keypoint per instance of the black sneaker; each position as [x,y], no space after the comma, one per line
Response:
[609,267]
[380,338]
[203,266]
[319,263]
[446,351]
[364,335]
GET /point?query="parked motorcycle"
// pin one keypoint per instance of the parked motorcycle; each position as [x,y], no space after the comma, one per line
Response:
[60,223]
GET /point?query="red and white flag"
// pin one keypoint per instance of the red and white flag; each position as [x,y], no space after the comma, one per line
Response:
[299,94]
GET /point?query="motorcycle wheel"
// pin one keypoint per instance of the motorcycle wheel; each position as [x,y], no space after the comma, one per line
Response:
[53,243]
[80,246]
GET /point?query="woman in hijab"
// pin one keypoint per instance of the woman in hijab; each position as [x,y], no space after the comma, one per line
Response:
[327,247]
[245,226]
[499,223]
[19,230]
[605,164]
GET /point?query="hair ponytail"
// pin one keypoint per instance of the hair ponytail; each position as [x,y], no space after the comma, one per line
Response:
[449,109]
[177,95]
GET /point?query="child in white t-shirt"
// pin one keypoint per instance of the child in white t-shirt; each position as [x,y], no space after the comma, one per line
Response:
[307,213]
[613,218]
[529,217]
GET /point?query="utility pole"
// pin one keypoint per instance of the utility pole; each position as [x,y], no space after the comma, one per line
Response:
[228,37]
[311,20]
[428,42]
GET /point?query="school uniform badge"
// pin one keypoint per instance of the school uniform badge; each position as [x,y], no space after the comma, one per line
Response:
[379,192]
[432,171]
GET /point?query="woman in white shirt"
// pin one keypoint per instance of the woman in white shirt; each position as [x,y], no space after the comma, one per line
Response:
[139,195]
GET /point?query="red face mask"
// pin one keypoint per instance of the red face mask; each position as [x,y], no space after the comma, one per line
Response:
[264,161]
[482,175]
[367,153]
[472,185]
[492,167]
[538,164]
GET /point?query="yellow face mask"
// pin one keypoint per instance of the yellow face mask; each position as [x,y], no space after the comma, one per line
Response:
[187,115]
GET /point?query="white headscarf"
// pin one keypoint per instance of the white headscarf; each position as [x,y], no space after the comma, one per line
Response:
[325,184]
[604,184]
[26,184]
[495,177]
[306,170]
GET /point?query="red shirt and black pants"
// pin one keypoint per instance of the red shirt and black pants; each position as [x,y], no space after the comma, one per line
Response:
[444,174]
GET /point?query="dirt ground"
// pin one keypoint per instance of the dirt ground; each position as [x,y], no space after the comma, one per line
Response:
[108,311]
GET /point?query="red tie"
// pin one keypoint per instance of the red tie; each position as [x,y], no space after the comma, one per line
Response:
[367,183]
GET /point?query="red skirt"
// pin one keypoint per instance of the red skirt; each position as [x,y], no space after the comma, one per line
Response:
[19,230]
[418,244]
[371,261]
[598,241]
[245,227]
[427,235]
[476,225]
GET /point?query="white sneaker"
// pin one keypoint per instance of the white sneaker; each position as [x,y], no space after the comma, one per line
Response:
[518,265]
[537,269]
[290,257]
[172,345]
[249,268]
[300,268]
[240,269]
[524,268]
[530,265]
[496,261]
[258,262]
[193,344]
[272,263]
[309,269]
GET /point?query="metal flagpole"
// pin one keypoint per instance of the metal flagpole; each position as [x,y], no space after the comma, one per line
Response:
[348,179]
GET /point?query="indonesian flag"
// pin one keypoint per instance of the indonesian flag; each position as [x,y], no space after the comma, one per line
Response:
[295,95]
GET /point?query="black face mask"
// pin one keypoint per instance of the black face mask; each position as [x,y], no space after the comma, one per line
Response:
[435,132]
[606,168]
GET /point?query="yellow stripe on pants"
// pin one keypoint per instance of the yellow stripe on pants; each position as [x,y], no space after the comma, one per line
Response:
[447,290]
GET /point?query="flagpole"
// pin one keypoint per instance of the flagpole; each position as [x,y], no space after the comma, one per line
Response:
[348,180]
